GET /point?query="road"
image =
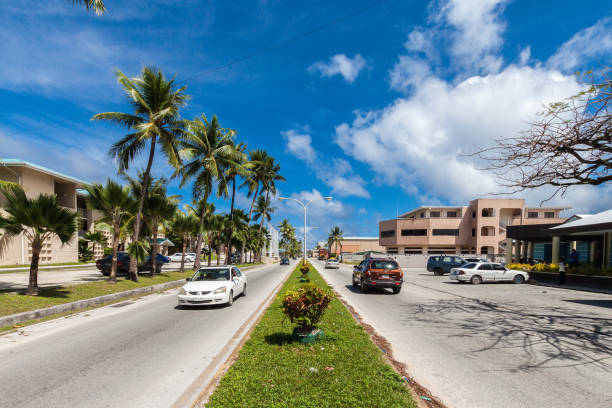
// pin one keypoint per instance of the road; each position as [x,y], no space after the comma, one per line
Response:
[139,353]
[493,345]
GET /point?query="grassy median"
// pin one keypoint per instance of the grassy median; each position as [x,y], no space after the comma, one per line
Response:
[344,369]
[17,302]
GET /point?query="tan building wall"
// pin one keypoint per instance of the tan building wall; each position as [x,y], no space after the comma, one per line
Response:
[35,182]
[358,244]
[478,228]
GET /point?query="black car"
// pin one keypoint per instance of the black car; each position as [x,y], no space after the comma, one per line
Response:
[123,264]
[285,261]
[442,264]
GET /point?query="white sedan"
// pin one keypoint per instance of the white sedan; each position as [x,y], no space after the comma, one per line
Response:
[213,285]
[332,263]
[176,257]
[487,272]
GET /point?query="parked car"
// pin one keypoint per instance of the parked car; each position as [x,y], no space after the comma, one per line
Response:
[487,272]
[441,264]
[123,264]
[178,256]
[213,285]
[378,273]
[160,258]
[332,263]
[285,261]
[474,259]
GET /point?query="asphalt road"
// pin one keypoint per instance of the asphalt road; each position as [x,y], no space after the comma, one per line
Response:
[140,353]
[493,345]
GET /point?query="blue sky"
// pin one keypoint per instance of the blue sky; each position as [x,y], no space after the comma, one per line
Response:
[377,110]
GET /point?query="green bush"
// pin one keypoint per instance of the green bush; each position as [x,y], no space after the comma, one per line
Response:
[305,306]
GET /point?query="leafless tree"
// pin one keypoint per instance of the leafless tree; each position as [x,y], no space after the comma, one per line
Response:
[569,144]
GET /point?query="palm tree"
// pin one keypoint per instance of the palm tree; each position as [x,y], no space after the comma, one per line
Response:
[158,209]
[96,237]
[117,206]
[206,148]
[156,102]
[238,165]
[271,174]
[184,225]
[257,159]
[263,211]
[96,5]
[218,225]
[38,219]
[336,236]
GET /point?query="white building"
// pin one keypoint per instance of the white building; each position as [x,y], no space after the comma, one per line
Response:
[272,249]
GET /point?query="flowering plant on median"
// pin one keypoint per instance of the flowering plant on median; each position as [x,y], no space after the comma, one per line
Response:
[305,306]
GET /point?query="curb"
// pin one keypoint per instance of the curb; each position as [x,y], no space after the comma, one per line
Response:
[85,303]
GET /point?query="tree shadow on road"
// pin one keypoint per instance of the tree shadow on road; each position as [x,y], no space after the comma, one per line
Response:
[549,338]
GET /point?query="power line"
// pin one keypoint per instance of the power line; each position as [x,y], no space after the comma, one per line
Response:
[290,40]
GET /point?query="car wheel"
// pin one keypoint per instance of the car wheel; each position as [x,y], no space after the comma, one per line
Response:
[476,280]
[397,290]
[230,300]
[244,292]
[518,279]
[438,272]
[363,287]
[355,283]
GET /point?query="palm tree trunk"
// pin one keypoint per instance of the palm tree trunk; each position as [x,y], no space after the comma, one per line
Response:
[113,272]
[198,249]
[228,259]
[137,221]
[155,247]
[183,255]
[209,237]
[219,252]
[249,221]
[33,284]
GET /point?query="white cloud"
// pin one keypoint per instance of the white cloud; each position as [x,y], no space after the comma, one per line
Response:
[477,34]
[340,64]
[421,139]
[525,55]
[335,173]
[408,72]
[588,44]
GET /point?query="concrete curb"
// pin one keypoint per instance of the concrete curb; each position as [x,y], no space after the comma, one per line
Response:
[85,303]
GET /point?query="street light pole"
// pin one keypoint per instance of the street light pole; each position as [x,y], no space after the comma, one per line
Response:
[305,207]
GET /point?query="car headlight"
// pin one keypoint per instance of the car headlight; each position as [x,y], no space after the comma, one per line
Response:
[182,291]
[222,289]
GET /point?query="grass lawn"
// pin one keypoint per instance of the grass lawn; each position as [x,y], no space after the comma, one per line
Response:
[11,303]
[344,369]
[52,264]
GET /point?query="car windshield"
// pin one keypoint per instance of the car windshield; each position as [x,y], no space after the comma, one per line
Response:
[384,265]
[211,275]
[469,266]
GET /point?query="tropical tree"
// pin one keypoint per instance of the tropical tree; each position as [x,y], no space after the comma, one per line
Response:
[336,236]
[38,219]
[117,207]
[257,158]
[271,175]
[156,102]
[184,226]
[158,209]
[96,5]
[95,237]
[287,233]
[263,211]
[218,226]
[206,149]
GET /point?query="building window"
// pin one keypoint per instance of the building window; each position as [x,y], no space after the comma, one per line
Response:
[451,214]
[414,232]
[473,214]
[387,234]
[488,212]
[532,214]
[446,232]
[422,215]
[473,232]
[392,250]
[434,214]
[412,251]
[549,214]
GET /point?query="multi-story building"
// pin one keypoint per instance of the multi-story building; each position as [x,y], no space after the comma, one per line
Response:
[36,180]
[478,228]
[357,244]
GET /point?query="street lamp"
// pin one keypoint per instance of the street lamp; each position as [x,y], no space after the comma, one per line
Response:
[305,207]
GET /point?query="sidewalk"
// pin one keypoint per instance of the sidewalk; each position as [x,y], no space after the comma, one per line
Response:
[42,267]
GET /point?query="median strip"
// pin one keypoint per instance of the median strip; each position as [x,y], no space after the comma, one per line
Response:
[344,368]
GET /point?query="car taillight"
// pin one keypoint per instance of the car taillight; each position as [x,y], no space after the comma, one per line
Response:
[119,263]
[461,273]
[367,274]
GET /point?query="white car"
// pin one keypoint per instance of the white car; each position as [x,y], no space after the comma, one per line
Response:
[478,272]
[176,257]
[213,285]
[332,263]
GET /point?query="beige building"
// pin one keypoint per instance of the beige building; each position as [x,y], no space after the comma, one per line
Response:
[478,228]
[36,180]
[358,244]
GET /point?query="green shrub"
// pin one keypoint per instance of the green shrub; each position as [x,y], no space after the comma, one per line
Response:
[305,306]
